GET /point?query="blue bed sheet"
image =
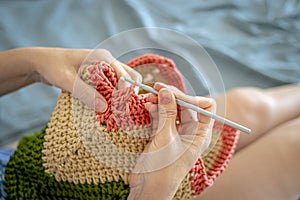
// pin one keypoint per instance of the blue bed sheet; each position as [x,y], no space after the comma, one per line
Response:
[254,43]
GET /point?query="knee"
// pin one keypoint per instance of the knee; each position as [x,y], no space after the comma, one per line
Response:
[251,106]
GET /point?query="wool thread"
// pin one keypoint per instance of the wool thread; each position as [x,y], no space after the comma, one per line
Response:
[83,154]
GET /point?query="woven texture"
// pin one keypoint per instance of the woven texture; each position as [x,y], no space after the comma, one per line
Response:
[83,154]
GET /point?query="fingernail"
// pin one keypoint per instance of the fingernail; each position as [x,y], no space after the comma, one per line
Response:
[165,97]
[100,105]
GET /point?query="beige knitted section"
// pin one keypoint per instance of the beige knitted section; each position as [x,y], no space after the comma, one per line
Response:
[115,149]
[65,155]
[129,140]
[210,158]
[184,191]
[78,149]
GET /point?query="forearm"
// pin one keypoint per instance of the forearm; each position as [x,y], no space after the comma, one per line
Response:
[54,66]
[13,84]
[16,70]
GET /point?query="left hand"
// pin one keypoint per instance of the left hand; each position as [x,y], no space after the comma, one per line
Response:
[58,67]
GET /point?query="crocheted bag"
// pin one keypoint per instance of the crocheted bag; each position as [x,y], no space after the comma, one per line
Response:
[83,154]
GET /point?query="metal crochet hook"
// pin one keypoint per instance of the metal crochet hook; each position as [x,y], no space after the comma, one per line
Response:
[192,107]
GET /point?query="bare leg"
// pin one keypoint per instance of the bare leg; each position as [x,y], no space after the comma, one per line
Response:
[265,169]
[261,110]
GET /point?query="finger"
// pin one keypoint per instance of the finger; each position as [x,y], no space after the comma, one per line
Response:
[106,56]
[195,127]
[205,102]
[153,98]
[88,95]
[120,68]
[101,55]
[136,76]
[69,80]
[202,102]
[203,126]
[153,110]
[186,115]
[167,112]
[159,85]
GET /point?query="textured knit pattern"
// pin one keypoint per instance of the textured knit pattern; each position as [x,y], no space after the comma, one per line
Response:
[206,170]
[166,68]
[72,162]
[83,154]
[185,190]
[125,108]
[26,178]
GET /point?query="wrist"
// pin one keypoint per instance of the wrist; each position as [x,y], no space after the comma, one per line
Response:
[153,187]
[40,62]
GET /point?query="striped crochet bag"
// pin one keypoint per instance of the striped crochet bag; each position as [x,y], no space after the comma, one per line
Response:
[82,154]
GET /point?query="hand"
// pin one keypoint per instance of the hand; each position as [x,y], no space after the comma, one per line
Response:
[61,71]
[173,149]
[58,67]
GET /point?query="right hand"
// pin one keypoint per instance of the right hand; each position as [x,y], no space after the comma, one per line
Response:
[173,151]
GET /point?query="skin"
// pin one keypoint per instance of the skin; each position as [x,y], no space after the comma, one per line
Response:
[266,162]
[57,67]
[163,183]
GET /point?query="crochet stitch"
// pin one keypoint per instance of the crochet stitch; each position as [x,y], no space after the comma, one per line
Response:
[83,154]
[26,178]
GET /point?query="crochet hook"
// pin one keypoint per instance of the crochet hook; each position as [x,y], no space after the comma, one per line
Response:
[192,107]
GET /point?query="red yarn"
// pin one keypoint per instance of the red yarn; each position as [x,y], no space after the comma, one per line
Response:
[167,68]
[126,109]
[200,179]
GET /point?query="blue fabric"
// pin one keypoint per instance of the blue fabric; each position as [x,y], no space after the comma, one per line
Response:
[254,43]
[262,34]
[4,158]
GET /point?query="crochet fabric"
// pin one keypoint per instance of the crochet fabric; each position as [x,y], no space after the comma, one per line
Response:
[83,154]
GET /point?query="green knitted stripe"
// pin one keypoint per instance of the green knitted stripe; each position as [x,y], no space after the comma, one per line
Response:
[26,179]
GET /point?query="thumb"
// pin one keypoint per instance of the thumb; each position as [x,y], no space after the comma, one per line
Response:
[89,95]
[167,112]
